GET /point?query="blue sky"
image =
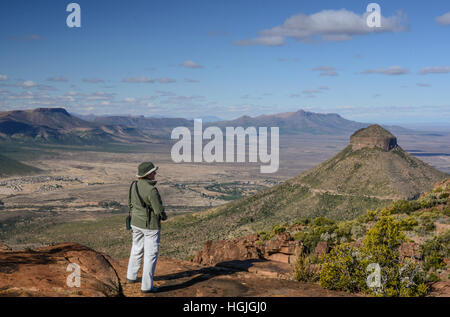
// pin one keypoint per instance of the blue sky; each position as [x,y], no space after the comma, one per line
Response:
[228,58]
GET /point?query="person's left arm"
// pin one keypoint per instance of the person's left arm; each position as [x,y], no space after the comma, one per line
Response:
[157,205]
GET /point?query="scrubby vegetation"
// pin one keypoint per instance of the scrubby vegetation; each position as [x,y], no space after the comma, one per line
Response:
[366,253]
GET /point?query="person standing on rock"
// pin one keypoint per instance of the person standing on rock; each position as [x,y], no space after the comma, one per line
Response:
[146,211]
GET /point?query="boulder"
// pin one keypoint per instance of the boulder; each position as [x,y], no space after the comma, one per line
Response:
[277,243]
[223,251]
[51,271]
[4,247]
[409,250]
[321,249]
[279,249]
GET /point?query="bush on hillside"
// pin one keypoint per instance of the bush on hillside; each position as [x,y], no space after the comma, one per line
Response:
[305,269]
[435,250]
[349,269]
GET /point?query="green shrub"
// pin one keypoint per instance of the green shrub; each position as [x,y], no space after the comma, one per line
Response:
[265,236]
[322,221]
[371,215]
[432,278]
[304,270]
[408,223]
[345,268]
[342,269]
[278,229]
[434,251]
[303,221]
[404,207]
[309,240]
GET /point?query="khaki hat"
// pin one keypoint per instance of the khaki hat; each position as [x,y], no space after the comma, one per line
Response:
[145,169]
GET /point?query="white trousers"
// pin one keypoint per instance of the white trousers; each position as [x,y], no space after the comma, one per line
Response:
[146,245]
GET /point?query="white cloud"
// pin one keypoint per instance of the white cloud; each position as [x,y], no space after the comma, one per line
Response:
[328,25]
[326,71]
[3,77]
[28,84]
[130,100]
[435,70]
[393,70]
[332,73]
[190,64]
[99,95]
[94,80]
[136,80]
[444,19]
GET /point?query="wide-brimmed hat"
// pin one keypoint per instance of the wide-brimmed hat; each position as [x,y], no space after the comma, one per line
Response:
[145,169]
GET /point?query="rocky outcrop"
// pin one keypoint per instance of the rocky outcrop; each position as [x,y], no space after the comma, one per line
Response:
[322,248]
[410,250]
[223,250]
[4,247]
[51,271]
[373,136]
[280,249]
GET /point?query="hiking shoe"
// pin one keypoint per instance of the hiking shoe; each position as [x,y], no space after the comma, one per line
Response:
[154,289]
[133,281]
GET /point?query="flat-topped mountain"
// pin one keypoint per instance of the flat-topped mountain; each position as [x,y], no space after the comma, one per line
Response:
[373,164]
[57,125]
[373,136]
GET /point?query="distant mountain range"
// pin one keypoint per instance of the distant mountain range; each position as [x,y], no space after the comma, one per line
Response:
[56,125]
[299,122]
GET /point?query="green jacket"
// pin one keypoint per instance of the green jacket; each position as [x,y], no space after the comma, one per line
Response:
[151,197]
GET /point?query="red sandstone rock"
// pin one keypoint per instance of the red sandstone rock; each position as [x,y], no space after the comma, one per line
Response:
[280,249]
[410,250]
[43,272]
[4,247]
[222,251]
[322,248]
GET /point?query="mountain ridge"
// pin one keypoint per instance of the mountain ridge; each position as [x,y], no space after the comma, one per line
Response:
[56,125]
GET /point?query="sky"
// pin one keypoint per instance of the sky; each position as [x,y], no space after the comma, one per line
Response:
[229,58]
